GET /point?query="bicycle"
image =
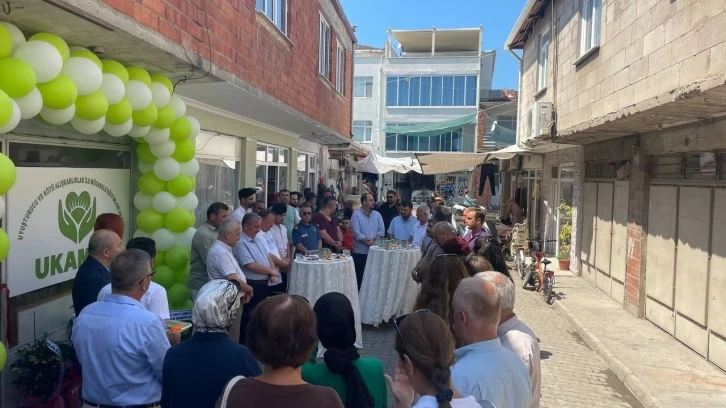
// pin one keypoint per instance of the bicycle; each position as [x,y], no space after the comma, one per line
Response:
[518,242]
[544,278]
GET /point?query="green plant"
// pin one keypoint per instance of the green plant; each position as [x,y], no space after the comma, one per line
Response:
[564,253]
[38,369]
[565,234]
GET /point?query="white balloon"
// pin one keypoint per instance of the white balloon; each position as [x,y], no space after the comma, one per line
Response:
[30,104]
[113,87]
[166,169]
[84,73]
[2,207]
[139,131]
[162,150]
[145,167]
[190,168]
[156,136]
[14,120]
[164,239]
[88,127]
[58,116]
[44,58]
[163,202]
[159,94]
[118,130]
[138,94]
[178,105]
[141,234]
[16,35]
[142,201]
[196,127]
[189,202]
[184,239]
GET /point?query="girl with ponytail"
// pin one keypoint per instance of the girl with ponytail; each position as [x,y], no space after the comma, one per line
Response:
[425,347]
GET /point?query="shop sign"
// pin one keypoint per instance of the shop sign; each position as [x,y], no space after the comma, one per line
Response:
[50,215]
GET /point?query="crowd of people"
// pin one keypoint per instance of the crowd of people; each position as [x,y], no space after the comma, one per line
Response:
[255,345]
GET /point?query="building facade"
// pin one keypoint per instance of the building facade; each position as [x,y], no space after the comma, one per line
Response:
[637,88]
[269,82]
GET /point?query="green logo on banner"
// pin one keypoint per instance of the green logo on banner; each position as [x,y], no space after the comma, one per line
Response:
[76,216]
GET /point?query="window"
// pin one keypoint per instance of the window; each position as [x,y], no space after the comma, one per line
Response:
[542,59]
[362,130]
[457,90]
[590,14]
[340,69]
[271,172]
[445,142]
[363,87]
[276,11]
[324,49]
[509,122]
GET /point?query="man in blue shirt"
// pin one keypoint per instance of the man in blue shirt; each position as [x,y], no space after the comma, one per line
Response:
[367,227]
[121,345]
[402,225]
[93,275]
[306,235]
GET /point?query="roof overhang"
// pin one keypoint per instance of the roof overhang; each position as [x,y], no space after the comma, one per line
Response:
[447,40]
[442,163]
[531,13]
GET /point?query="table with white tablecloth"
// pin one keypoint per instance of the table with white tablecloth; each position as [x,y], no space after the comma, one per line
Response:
[388,289]
[313,279]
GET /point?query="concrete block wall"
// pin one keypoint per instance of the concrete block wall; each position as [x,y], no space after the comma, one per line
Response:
[243,42]
[648,47]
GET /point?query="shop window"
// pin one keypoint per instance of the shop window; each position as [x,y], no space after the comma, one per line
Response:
[271,173]
[217,181]
[698,166]
[619,170]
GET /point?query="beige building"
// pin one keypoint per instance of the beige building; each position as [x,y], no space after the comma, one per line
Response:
[625,99]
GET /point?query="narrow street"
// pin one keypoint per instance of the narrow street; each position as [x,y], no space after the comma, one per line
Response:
[573,375]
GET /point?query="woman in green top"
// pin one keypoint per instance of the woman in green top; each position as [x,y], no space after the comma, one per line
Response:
[359,381]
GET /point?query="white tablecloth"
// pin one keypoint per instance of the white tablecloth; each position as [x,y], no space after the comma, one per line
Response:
[387,289]
[313,279]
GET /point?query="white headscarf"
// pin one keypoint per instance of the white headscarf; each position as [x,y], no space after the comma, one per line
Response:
[216,306]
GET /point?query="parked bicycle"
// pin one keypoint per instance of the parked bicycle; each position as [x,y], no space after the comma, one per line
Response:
[536,273]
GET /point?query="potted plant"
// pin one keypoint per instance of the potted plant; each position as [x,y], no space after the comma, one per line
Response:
[565,235]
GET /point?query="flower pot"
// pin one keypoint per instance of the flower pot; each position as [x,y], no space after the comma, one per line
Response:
[564,264]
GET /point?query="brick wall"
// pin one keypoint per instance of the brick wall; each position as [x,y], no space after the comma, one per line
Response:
[238,39]
[637,226]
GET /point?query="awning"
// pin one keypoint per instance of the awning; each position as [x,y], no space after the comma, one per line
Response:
[431,129]
[374,163]
[506,153]
[501,134]
[449,162]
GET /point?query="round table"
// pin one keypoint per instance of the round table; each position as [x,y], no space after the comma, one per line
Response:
[313,279]
[388,289]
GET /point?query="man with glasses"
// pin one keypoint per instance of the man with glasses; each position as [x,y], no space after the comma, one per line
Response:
[306,235]
[389,209]
[367,227]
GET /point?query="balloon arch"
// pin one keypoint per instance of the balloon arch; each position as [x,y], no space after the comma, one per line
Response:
[42,78]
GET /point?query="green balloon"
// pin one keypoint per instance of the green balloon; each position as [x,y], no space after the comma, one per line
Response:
[116,68]
[139,140]
[188,305]
[150,220]
[177,294]
[146,116]
[194,183]
[7,173]
[177,257]
[164,81]
[149,184]
[4,245]
[59,93]
[194,218]
[180,130]
[179,186]
[177,220]
[139,74]
[4,352]
[92,106]
[119,113]
[6,108]
[55,41]
[17,77]
[85,53]
[143,151]
[160,259]
[184,151]
[164,276]
[6,47]
[182,274]
[165,119]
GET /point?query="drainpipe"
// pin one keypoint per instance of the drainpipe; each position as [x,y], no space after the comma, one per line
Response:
[519,90]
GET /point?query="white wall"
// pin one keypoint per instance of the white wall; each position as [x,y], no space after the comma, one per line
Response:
[369,108]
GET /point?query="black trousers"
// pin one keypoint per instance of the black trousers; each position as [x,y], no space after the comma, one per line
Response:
[359,261]
[261,292]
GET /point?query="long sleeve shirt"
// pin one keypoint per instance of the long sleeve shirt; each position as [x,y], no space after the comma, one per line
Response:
[519,338]
[365,227]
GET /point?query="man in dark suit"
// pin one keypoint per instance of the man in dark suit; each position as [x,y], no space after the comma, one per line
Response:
[93,274]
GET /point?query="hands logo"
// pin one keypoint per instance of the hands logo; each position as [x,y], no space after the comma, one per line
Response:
[77,217]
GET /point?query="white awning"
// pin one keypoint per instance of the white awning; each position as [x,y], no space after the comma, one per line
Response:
[507,153]
[373,163]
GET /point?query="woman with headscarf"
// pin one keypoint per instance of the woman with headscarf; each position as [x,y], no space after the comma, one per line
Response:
[196,371]
[359,381]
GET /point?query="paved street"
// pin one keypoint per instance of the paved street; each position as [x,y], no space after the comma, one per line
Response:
[573,375]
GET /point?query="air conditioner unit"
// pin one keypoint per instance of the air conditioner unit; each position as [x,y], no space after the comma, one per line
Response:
[539,120]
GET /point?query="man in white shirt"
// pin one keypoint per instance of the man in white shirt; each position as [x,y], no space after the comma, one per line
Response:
[419,230]
[514,334]
[484,368]
[246,203]
[268,220]
[278,229]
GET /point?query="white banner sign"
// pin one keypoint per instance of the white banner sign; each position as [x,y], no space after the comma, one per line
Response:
[50,216]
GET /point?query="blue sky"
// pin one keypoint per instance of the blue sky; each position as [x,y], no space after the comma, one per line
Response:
[374,17]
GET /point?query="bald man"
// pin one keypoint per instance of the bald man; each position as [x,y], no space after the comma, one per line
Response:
[93,274]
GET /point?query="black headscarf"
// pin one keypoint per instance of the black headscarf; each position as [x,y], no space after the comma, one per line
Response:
[336,330]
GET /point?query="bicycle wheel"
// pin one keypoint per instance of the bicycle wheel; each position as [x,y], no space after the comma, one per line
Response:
[527,278]
[548,289]
[521,267]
